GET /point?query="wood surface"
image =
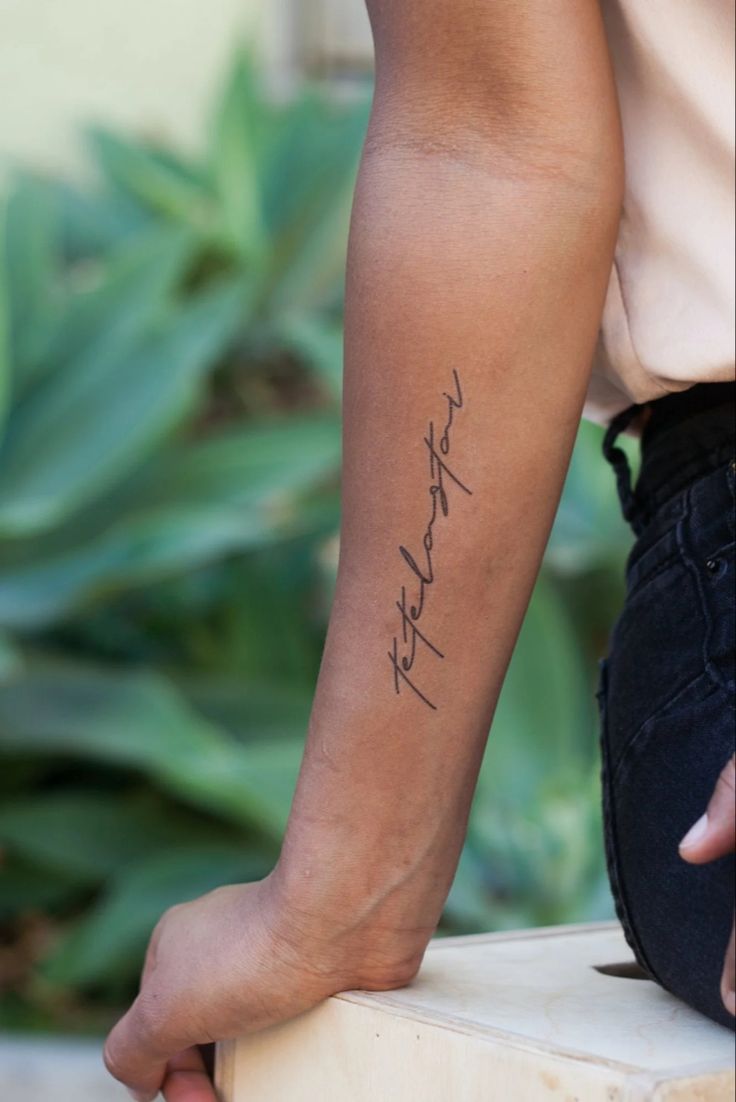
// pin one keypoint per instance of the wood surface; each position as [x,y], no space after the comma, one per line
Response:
[512,1017]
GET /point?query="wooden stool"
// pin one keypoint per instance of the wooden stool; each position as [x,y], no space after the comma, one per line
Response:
[561,1014]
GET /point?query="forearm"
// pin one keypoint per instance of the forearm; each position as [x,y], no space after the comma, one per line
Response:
[474,296]
[495,303]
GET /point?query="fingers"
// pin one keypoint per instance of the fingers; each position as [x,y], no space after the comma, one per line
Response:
[186,1079]
[714,834]
[132,1054]
[728,982]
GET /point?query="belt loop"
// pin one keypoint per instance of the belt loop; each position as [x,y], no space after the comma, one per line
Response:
[630,506]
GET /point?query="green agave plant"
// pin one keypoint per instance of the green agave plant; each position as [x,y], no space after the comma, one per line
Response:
[170,367]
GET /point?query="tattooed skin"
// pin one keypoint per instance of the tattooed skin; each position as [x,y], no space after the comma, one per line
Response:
[412,639]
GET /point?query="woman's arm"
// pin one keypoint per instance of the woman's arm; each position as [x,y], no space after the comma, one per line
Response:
[482,238]
[481,245]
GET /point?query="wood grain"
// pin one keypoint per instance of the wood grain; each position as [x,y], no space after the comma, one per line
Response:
[519,1017]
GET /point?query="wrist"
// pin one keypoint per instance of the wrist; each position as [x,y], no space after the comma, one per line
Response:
[348,939]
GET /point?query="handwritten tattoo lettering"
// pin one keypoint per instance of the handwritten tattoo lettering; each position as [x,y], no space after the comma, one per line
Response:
[412,639]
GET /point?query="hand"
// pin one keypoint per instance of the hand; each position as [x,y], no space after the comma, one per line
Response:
[714,835]
[232,962]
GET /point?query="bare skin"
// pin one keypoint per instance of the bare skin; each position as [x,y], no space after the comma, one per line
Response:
[482,237]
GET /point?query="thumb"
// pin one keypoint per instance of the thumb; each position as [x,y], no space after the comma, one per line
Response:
[714,834]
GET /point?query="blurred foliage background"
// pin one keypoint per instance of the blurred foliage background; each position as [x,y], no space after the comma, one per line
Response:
[170,369]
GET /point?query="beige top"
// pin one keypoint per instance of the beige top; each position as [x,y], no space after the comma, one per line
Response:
[668,319]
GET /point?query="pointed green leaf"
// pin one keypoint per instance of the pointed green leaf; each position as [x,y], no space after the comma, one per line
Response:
[319,345]
[140,722]
[309,239]
[97,223]
[5,362]
[85,430]
[10,659]
[156,179]
[90,835]
[234,155]
[241,490]
[32,256]
[25,887]
[119,303]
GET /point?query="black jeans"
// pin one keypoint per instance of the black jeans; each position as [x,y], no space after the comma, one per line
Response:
[666,691]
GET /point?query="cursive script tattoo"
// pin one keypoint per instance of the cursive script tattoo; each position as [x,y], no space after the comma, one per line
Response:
[423,575]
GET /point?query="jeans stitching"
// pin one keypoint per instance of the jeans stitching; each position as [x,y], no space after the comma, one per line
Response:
[731,477]
[632,743]
[704,607]
[644,545]
[638,585]
[609,831]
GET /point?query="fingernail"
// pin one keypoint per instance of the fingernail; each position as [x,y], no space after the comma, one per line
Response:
[138,1096]
[695,832]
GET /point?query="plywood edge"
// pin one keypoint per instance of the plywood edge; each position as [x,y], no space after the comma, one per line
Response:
[699,1083]
[705,1067]
[483,1032]
[225,1052]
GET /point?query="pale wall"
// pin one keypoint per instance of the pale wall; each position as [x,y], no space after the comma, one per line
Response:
[145,64]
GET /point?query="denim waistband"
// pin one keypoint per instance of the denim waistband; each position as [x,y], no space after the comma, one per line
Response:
[687,435]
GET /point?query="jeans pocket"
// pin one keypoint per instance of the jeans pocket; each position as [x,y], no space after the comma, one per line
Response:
[656,650]
[676,916]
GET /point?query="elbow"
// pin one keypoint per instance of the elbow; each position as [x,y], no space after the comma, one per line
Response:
[443,184]
[553,163]
[525,95]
